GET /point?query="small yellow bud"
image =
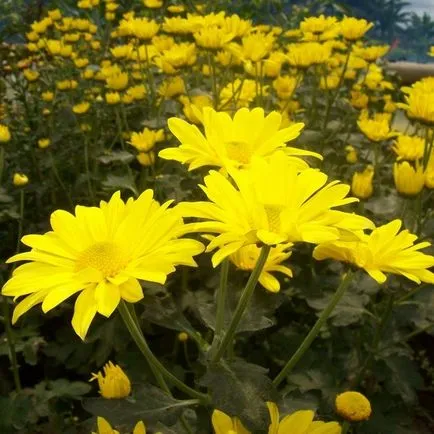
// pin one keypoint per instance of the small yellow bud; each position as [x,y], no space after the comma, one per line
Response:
[353,406]
[361,185]
[409,180]
[5,134]
[113,383]
[20,179]
[182,337]
[351,156]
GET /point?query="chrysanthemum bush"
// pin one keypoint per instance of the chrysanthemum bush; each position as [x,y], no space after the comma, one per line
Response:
[239,215]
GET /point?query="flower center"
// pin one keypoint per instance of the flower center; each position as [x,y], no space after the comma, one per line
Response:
[239,151]
[273,216]
[104,256]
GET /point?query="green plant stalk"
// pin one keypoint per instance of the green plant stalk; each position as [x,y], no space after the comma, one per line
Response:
[246,295]
[212,71]
[11,345]
[157,367]
[428,147]
[305,345]
[345,427]
[87,167]
[221,304]
[376,341]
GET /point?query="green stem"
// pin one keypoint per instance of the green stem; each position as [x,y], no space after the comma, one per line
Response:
[87,167]
[221,304]
[212,71]
[11,345]
[130,321]
[246,295]
[340,291]
[376,341]
[345,427]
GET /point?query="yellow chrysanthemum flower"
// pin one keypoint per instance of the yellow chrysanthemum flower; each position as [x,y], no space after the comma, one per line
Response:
[303,55]
[113,383]
[231,142]
[224,424]
[19,179]
[213,38]
[199,102]
[105,428]
[5,134]
[81,108]
[318,24]
[101,253]
[409,147]
[377,128]
[361,185]
[285,86]
[300,422]
[385,250]
[255,207]
[146,140]
[351,156]
[353,406]
[247,257]
[240,93]
[409,179]
[354,28]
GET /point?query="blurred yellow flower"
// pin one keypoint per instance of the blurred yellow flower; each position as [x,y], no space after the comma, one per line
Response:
[31,75]
[354,28]
[240,93]
[361,185]
[353,406]
[213,38]
[372,53]
[154,4]
[19,179]
[351,156]
[303,55]
[112,98]
[137,92]
[231,142]
[5,134]
[409,147]
[246,258]
[105,428]
[47,96]
[318,24]
[255,207]
[102,253]
[146,140]
[44,143]
[81,108]
[385,250]
[171,87]
[409,179]
[146,158]
[199,102]
[377,128]
[113,383]
[285,86]
[117,81]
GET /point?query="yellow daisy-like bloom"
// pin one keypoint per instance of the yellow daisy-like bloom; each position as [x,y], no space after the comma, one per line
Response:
[213,38]
[199,102]
[260,209]
[353,406]
[285,86]
[318,24]
[377,128]
[146,140]
[361,185]
[354,28]
[105,428]
[409,179]
[303,55]
[385,250]
[101,253]
[300,422]
[409,147]
[372,53]
[240,93]
[419,105]
[31,75]
[5,134]
[247,257]
[117,81]
[231,142]
[81,108]
[153,4]
[113,383]
[224,424]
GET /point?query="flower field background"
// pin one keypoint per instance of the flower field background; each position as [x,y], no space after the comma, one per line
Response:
[225,223]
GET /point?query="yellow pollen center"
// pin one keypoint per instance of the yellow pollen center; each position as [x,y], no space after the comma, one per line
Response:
[273,216]
[104,256]
[239,151]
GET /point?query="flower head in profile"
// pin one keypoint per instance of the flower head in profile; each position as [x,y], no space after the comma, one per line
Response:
[271,203]
[409,147]
[376,128]
[300,422]
[361,185]
[113,383]
[247,257]
[145,140]
[409,178]
[232,142]
[104,427]
[354,28]
[102,253]
[5,134]
[384,250]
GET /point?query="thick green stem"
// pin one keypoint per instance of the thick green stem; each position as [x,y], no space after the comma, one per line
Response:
[157,367]
[221,304]
[345,427]
[246,295]
[315,329]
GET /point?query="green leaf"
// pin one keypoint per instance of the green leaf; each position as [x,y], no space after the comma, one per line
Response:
[114,182]
[241,389]
[122,157]
[148,403]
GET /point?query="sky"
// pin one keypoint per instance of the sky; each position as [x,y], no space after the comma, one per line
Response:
[421,6]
